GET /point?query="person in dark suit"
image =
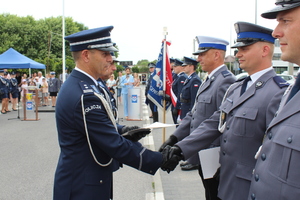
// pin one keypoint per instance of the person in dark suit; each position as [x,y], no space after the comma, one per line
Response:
[276,174]
[211,55]
[246,111]
[153,107]
[92,144]
[177,86]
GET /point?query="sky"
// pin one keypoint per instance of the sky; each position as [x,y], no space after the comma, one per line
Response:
[138,24]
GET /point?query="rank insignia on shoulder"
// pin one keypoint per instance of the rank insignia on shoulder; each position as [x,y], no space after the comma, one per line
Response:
[86,89]
[280,81]
[226,73]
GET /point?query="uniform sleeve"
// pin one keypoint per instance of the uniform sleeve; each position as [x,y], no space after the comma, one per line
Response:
[201,137]
[107,142]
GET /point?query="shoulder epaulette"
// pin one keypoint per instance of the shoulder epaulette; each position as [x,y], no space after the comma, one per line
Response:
[280,81]
[226,73]
[86,88]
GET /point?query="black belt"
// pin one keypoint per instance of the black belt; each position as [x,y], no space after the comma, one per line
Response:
[185,100]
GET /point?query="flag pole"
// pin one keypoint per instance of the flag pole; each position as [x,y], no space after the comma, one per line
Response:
[164,81]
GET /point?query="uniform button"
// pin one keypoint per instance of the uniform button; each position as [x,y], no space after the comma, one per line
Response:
[227,127]
[100,181]
[191,127]
[256,177]
[231,114]
[151,171]
[270,136]
[263,157]
[244,114]
[289,140]
[193,118]
[253,196]
[224,153]
[225,140]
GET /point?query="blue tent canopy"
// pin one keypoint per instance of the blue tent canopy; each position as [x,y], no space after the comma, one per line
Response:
[12,59]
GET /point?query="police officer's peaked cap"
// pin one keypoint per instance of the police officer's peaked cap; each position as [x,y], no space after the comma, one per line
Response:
[52,73]
[207,42]
[281,5]
[151,65]
[5,73]
[189,61]
[172,60]
[97,38]
[114,56]
[248,33]
[178,62]
[13,73]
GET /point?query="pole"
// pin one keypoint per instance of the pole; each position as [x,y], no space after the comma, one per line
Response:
[255,11]
[63,44]
[164,81]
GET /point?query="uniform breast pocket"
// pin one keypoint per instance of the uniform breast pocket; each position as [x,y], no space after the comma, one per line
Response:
[203,101]
[244,123]
[285,155]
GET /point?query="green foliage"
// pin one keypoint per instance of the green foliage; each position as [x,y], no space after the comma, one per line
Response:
[135,69]
[40,40]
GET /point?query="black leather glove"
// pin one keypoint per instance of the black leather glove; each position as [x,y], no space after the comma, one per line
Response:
[166,97]
[129,128]
[171,158]
[136,134]
[171,141]
[175,111]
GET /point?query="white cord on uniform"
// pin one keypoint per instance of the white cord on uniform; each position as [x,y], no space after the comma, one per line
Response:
[111,116]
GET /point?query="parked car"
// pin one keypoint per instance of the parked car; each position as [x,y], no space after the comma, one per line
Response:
[241,75]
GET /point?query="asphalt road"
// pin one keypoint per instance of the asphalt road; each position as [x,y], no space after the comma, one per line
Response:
[30,150]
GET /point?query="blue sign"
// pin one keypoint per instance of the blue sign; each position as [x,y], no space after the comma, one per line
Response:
[134,98]
[29,105]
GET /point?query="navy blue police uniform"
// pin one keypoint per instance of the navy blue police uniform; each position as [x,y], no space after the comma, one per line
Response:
[189,89]
[152,106]
[89,138]
[4,86]
[177,86]
[13,87]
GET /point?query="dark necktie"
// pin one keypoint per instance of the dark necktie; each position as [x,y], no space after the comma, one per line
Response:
[244,86]
[295,88]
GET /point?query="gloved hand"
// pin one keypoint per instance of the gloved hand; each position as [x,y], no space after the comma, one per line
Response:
[129,128]
[175,111]
[171,141]
[166,97]
[136,134]
[171,158]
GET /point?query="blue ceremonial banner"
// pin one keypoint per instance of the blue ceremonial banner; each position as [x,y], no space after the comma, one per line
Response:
[162,75]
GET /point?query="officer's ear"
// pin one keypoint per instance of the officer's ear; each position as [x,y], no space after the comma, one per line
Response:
[86,55]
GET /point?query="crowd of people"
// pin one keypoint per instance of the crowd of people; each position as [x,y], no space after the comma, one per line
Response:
[14,87]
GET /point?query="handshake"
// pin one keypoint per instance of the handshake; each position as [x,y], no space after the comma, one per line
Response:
[172,154]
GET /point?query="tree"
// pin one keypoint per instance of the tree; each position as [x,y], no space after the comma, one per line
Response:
[40,40]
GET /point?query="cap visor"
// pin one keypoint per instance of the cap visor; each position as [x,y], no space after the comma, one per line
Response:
[272,14]
[242,44]
[200,51]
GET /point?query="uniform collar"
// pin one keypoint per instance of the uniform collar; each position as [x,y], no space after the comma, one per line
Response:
[255,77]
[215,70]
[95,81]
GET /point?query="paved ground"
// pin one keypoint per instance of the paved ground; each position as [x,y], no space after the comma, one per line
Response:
[29,153]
